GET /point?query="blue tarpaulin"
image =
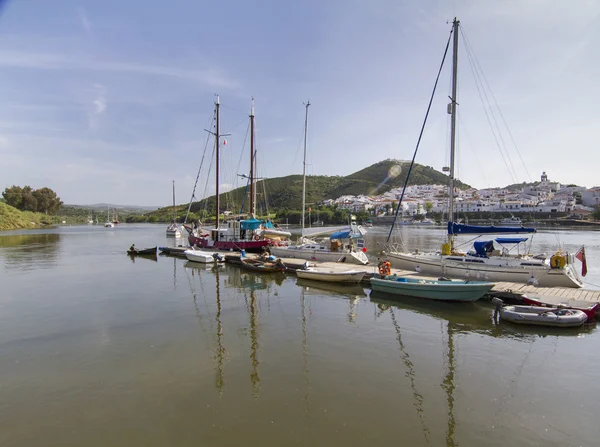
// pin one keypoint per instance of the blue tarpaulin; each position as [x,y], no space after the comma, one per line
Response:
[250,224]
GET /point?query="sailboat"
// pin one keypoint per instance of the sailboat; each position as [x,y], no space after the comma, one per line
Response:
[352,251]
[108,223]
[236,234]
[174,230]
[498,260]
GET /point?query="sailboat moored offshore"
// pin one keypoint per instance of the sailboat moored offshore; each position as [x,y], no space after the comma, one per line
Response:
[500,259]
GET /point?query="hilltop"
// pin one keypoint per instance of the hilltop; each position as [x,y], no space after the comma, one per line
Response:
[285,193]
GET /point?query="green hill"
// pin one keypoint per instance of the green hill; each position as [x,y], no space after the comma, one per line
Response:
[285,193]
[13,219]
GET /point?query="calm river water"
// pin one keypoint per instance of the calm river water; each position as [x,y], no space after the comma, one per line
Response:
[98,350]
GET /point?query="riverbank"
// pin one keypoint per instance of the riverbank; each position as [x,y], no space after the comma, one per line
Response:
[13,219]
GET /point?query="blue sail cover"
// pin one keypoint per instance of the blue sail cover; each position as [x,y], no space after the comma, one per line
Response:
[456,228]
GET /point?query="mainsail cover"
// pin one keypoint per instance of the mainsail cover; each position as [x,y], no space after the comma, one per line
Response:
[456,228]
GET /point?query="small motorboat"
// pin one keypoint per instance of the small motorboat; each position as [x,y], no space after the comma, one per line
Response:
[348,277]
[441,289]
[143,252]
[263,265]
[537,316]
[202,256]
[590,308]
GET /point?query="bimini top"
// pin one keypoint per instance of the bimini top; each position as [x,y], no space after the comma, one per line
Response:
[345,234]
[510,240]
[456,228]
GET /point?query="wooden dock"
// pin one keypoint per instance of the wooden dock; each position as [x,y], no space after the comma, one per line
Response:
[504,290]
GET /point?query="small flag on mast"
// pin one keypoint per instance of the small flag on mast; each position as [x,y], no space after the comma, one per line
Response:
[581,256]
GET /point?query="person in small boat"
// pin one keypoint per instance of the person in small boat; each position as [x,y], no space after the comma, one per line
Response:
[132,248]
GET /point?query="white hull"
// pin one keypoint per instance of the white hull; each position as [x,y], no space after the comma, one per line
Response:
[109,225]
[349,277]
[321,256]
[203,257]
[436,265]
[174,233]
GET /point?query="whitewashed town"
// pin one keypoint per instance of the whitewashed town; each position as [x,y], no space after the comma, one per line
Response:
[545,197]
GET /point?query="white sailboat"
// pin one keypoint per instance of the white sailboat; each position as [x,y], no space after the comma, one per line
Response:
[486,261]
[174,230]
[344,246]
[108,223]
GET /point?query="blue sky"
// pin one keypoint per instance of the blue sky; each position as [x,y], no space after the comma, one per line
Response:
[107,101]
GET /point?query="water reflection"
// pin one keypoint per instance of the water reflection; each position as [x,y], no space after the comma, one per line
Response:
[30,251]
[251,306]
[353,292]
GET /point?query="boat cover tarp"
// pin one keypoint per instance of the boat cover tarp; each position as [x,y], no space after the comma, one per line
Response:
[510,240]
[345,234]
[250,224]
[483,248]
[456,228]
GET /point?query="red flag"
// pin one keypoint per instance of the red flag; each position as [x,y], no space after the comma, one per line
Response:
[581,256]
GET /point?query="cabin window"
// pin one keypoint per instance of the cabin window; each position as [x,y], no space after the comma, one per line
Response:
[474,260]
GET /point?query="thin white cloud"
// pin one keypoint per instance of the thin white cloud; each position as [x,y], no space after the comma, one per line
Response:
[100,100]
[48,61]
[83,20]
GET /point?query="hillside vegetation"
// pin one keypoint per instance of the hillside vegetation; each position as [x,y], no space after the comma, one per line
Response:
[284,194]
[13,219]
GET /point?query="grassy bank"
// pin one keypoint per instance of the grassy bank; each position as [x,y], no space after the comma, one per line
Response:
[13,219]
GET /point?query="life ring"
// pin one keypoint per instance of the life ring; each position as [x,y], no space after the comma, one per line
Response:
[257,238]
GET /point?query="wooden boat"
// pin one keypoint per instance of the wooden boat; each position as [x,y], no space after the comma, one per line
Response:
[257,265]
[591,309]
[536,316]
[174,251]
[143,252]
[349,276]
[432,289]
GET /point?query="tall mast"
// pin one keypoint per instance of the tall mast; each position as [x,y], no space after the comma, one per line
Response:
[304,167]
[252,162]
[217,129]
[174,214]
[453,105]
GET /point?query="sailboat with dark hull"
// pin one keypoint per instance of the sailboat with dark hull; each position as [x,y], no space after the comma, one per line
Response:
[497,260]
[235,235]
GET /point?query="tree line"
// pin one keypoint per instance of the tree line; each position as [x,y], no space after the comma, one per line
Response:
[42,200]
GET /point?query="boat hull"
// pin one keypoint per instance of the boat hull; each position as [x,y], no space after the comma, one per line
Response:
[262,267]
[535,316]
[460,291]
[590,309]
[436,265]
[349,277]
[321,256]
[203,257]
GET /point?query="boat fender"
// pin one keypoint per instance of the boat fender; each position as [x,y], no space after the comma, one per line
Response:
[385,268]
[557,261]
[257,237]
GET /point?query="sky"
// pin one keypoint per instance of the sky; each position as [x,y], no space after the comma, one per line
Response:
[108,101]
